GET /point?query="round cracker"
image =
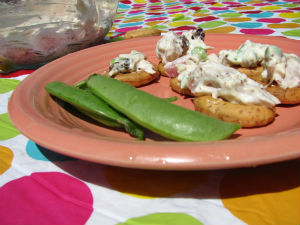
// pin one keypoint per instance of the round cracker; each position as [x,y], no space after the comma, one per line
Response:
[175,85]
[253,73]
[162,69]
[143,32]
[138,78]
[289,96]
[245,115]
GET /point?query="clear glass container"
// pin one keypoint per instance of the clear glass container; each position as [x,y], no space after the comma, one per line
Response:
[34,32]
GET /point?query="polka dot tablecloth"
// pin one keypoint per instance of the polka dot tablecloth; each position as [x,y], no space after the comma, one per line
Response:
[39,186]
[274,18]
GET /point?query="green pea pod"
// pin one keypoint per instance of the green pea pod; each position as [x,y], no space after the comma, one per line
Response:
[162,117]
[94,107]
[83,85]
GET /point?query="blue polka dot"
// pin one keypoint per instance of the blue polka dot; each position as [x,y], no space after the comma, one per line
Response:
[261,15]
[248,25]
[223,11]
[123,6]
[131,24]
[40,153]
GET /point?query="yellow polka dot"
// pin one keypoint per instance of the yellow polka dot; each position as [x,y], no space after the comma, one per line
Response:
[152,184]
[244,8]
[264,195]
[255,2]
[201,14]
[176,14]
[237,19]
[140,1]
[283,25]
[290,15]
[217,5]
[224,29]
[6,157]
[181,23]
[271,7]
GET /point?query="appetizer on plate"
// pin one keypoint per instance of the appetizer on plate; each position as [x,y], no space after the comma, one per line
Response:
[267,64]
[234,86]
[133,69]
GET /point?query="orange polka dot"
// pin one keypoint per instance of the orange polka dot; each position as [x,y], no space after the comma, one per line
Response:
[283,25]
[224,29]
[244,8]
[153,23]
[264,195]
[6,157]
[152,184]
[237,19]
[133,20]
[201,14]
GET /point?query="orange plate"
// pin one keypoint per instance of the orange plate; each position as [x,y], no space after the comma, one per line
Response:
[48,124]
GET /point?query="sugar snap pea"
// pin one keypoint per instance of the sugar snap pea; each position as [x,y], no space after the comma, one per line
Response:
[162,117]
[94,107]
[83,85]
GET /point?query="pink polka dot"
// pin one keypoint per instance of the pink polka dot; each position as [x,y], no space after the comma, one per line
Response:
[205,18]
[257,31]
[262,4]
[271,20]
[195,8]
[45,198]
[218,8]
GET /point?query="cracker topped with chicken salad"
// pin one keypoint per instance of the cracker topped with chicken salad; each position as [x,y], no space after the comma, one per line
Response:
[133,68]
[218,83]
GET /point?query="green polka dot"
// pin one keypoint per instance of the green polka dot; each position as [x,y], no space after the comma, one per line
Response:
[135,17]
[155,4]
[181,17]
[7,129]
[233,14]
[116,39]
[202,11]
[163,219]
[289,5]
[212,24]
[294,33]
[159,27]
[7,85]
[296,21]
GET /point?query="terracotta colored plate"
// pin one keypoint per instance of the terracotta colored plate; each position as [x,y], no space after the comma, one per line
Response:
[60,129]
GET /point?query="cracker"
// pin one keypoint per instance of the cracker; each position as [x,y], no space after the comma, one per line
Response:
[162,69]
[175,85]
[289,96]
[143,32]
[245,115]
[138,78]
[253,73]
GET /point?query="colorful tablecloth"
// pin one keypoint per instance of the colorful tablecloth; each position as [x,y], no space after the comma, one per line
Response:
[39,186]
